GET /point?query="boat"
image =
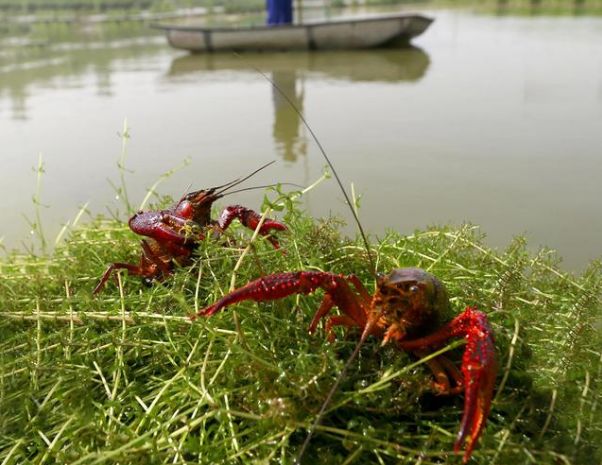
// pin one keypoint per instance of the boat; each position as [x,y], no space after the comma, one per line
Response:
[336,34]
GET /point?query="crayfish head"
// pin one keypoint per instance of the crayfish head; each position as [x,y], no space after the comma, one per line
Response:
[196,206]
[410,301]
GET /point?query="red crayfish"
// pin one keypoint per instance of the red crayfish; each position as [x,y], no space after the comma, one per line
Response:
[404,310]
[173,234]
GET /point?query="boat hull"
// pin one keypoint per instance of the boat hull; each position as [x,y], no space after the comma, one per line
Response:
[333,35]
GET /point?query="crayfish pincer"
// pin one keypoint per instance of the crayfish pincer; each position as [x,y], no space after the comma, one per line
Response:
[404,310]
[172,235]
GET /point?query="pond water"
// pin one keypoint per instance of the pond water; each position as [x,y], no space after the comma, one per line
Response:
[490,119]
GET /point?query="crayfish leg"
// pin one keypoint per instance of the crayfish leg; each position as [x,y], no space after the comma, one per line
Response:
[361,290]
[325,307]
[276,286]
[442,369]
[132,269]
[271,287]
[150,266]
[338,320]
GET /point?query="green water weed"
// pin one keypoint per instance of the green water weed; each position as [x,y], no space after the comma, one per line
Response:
[127,378]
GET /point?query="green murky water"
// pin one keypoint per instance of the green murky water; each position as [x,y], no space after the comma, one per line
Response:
[493,119]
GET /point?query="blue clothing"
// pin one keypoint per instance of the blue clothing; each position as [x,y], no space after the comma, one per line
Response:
[279,12]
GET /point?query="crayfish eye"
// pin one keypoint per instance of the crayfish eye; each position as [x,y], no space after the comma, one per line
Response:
[414,289]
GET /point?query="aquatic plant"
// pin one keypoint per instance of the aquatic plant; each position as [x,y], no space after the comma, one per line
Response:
[127,378]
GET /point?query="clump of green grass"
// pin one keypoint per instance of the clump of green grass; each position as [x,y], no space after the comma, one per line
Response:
[127,378]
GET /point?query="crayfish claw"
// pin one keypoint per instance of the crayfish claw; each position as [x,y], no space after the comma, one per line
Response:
[479,368]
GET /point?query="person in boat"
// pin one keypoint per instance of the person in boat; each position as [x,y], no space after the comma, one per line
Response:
[279,12]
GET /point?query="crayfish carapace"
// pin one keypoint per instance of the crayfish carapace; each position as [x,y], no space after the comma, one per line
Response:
[173,234]
[404,310]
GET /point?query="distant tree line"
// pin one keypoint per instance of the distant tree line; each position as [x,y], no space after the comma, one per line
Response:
[97,5]
[242,5]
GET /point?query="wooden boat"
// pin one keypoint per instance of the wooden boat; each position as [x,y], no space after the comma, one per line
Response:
[367,32]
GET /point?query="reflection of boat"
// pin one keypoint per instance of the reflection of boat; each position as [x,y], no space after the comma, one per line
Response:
[339,34]
[288,73]
[407,64]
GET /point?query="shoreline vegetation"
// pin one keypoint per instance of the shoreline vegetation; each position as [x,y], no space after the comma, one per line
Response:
[126,377]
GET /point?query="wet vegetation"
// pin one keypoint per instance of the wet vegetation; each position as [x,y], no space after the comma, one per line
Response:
[127,378]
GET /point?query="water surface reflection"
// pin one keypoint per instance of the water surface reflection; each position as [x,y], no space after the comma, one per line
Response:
[288,90]
[386,65]
[498,124]
[68,66]
[288,72]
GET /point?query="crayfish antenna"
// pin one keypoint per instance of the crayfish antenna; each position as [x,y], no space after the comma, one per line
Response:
[365,333]
[265,186]
[370,260]
[219,191]
[334,171]
[236,182]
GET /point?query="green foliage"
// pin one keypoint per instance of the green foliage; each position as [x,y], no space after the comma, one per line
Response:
[127,378]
